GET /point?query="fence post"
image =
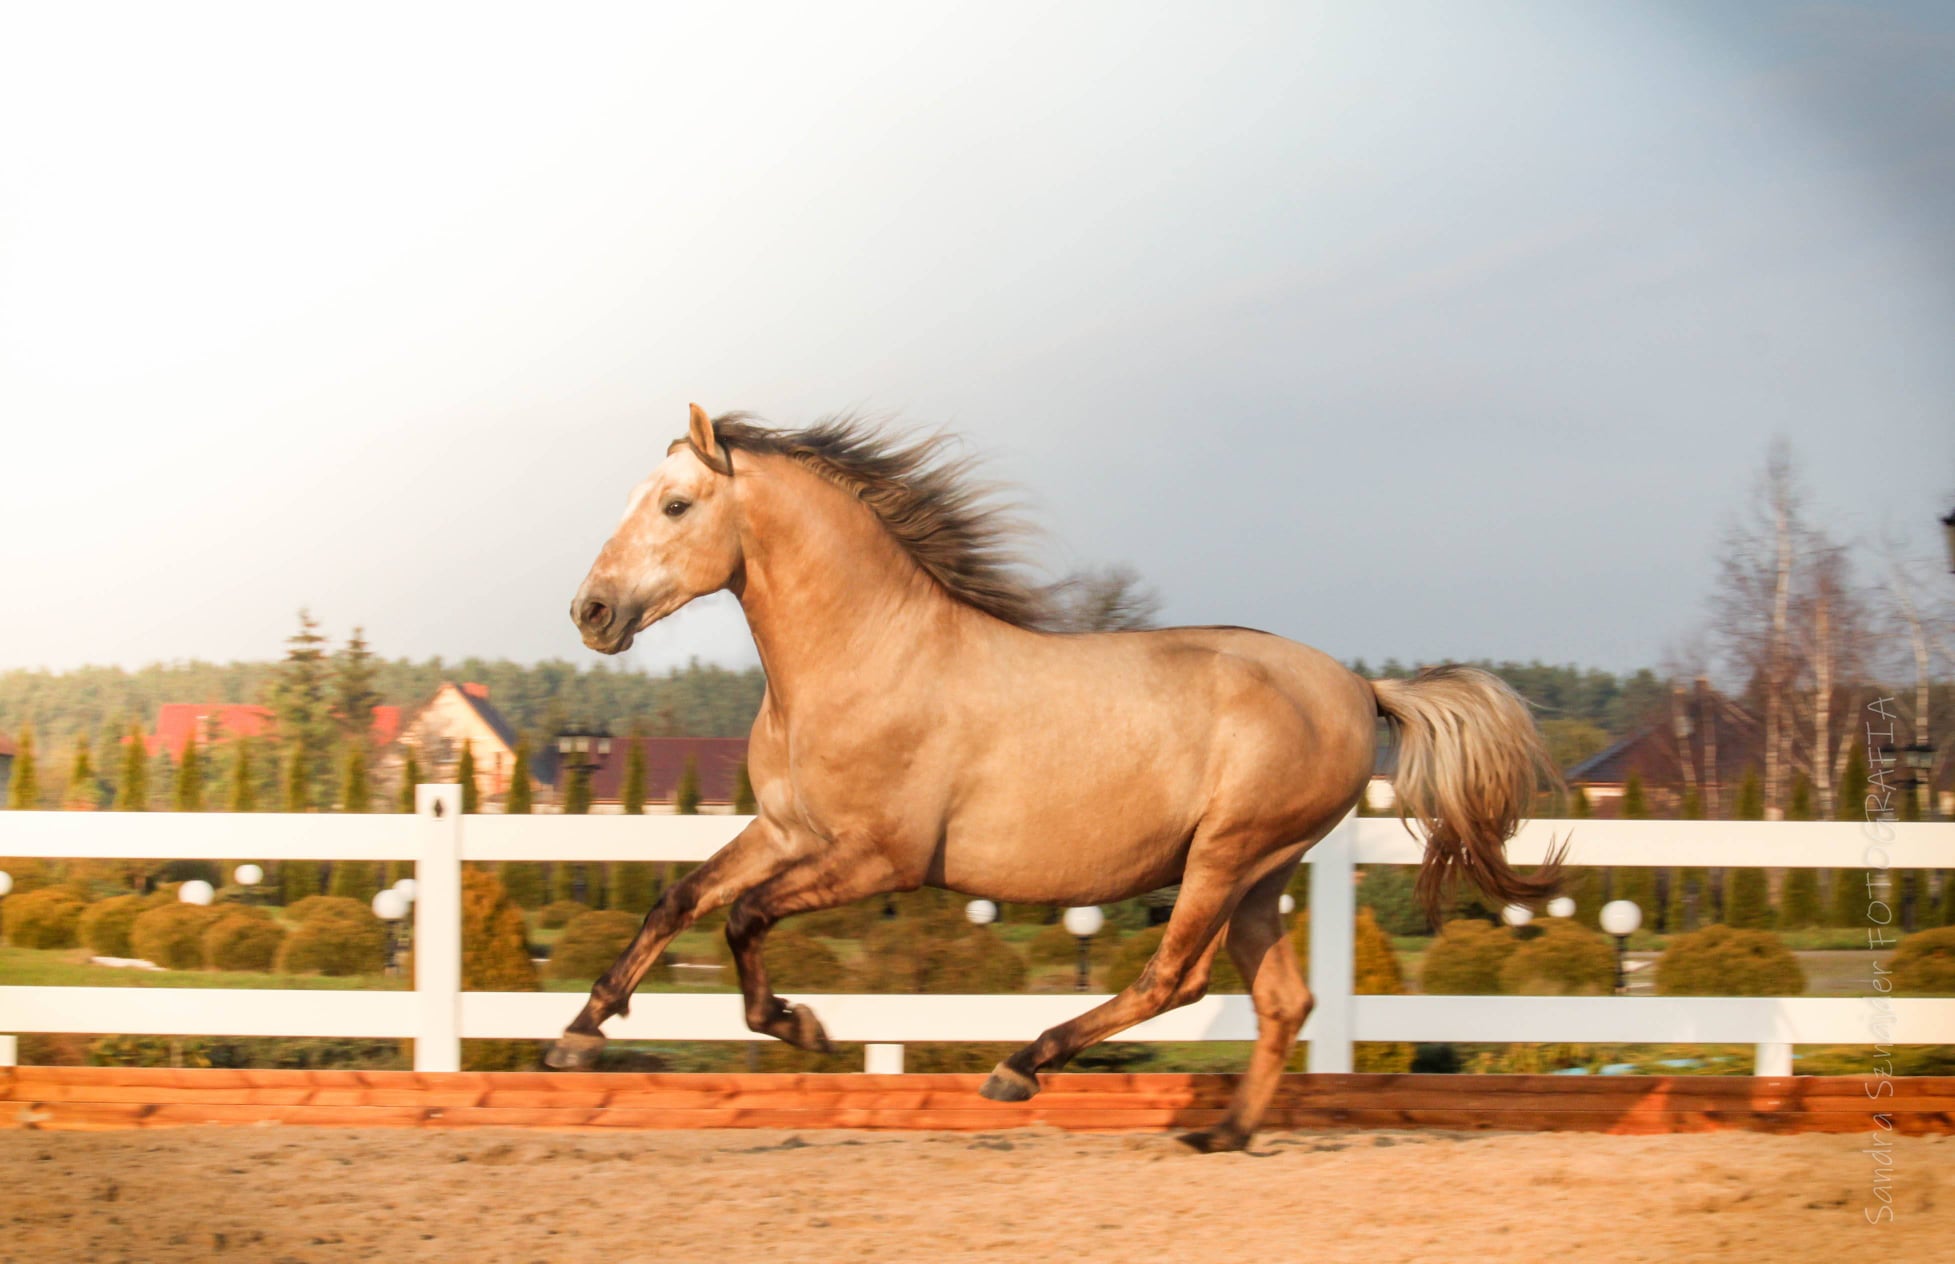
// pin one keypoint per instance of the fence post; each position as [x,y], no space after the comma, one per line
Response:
[1772,1058]
[1333,961]
[438,928]
[882,1059]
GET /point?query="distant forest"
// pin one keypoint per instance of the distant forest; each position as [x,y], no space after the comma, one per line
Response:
[1581,710]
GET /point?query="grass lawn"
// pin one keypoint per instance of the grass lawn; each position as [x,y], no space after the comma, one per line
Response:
[70,967]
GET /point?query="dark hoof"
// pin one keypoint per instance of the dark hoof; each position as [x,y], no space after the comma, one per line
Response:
[808,1031]
[1220,1139]
[1008,1084]
[574,1051]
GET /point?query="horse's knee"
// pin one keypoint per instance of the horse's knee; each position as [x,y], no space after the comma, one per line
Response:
[1193,986]
[745,923]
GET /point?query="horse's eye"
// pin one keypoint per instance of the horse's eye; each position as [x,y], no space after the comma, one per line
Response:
[673,508]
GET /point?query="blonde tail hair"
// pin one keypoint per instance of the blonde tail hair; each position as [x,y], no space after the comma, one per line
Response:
[1469,761]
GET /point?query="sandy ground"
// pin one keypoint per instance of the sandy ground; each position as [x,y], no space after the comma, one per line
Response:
[286,1194]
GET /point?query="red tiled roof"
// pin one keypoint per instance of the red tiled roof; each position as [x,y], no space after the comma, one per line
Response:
[665,759]
[6,745]
[217,722]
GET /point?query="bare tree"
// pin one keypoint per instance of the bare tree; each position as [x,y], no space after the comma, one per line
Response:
[1751,607]
[1101,599]
[1830,640]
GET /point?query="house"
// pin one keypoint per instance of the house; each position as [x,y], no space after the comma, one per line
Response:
[461,716]
[717,758]
[1704,741]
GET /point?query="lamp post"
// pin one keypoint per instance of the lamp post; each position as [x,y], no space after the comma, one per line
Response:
[195,891]
[981,912]
[1920,758]
[1561,906]
[581,754]
[390,906]
[1286,904]
[1621,918]
[1082,923]
[1948,532]
[1517,915]
[248,877]
[6,882]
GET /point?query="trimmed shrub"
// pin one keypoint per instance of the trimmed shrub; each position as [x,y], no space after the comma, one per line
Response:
[330,905]
[1465,959]
[850,921]
[560,913]
[1564,959]
[591,942]
[495,949]
[105,924]
[47,918]
[1924,964]
[1054,945]
[172,935]
[495,958]
[342,940]
[1721,960]
[796,962]
[242,943]
[933,954]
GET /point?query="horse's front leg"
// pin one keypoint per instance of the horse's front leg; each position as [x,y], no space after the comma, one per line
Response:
[755,854]
[828,879]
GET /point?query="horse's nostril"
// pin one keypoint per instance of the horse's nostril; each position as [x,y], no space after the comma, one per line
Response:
[597,616]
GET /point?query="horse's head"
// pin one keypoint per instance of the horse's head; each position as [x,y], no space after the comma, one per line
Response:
[677,541]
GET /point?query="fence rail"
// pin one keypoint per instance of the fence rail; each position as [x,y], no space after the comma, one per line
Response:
[438,1015]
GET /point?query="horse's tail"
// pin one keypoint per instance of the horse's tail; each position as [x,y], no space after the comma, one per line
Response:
[1468,761]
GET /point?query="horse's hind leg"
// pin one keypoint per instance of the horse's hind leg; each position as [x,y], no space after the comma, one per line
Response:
[1177,974]
[820,882]
[753,856]
[1268,963]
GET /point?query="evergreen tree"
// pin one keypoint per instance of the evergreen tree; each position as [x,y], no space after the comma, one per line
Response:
[189,791]
[1799,897]
[299,878]
[243,793]
[1578,805]
[577,790]
[633,793]
[744,803]
[1849,894]
[301,697]
[465,777]
[355,880]
[355,794]
[1636,883]
[1751,799]
[685,796]
[298,779]
[410,777]
[132,787]
[1748,904]
[24,790]
[354,694]
[1946,909]
[518,801]
[634,886]
[84,794]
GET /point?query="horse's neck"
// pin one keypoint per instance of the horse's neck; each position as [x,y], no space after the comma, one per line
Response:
[830,596]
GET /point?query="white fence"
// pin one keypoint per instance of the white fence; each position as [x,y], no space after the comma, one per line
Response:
[438,1015]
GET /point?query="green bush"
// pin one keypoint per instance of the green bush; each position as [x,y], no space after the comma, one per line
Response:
[495,949]
[527,883]
[1564,959]
[933,954]
[796,962]
[1924,964]
[1466,958]
[335,905]
[1054,945]
[560,913]
[591,942]
[1721,960]
[172,935]
[105,924]
[47,918]
[242,943]
[850,921]
[343,940]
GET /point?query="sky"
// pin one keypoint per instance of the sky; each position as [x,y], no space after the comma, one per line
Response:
[1405,330]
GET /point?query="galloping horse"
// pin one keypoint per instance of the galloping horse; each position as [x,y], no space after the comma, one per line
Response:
[920,728]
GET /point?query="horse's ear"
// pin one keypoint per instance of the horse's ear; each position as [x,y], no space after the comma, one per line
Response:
[699,433]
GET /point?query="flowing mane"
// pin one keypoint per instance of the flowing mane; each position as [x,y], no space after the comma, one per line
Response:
[946,522]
